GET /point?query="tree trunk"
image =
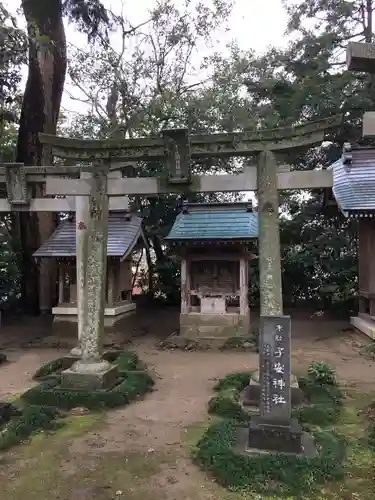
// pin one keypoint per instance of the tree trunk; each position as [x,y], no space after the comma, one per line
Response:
[271,299]
[40,110]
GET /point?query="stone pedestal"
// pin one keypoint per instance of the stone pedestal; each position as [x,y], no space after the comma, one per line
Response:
[251,395]
[276,438]
[89,376]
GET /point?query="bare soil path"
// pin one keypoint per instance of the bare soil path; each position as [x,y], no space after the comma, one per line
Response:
[141,451]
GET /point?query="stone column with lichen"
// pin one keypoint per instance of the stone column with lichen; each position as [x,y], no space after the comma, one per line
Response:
[271,301]
[81,221]
[94,274]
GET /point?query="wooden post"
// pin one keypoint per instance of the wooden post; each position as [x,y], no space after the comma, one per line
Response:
[271,301]
[111,283]
[184,287]
[61,282]
[244,306]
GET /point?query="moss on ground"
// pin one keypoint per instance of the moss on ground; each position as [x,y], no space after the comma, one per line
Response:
[48,470]
[39,408]
[341,475]
[133,381]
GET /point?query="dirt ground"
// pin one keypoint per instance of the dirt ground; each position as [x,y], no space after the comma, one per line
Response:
[150,438]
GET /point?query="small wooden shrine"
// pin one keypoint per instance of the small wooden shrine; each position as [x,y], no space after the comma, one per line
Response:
[215,242]
[354,191]
[124,233]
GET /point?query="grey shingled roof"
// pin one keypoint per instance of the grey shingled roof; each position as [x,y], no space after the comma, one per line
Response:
[215,222]
[354,182]
[123,234]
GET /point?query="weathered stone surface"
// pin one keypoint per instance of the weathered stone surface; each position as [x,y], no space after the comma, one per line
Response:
[251,394]
[223,332]
[286,439]
[89,380]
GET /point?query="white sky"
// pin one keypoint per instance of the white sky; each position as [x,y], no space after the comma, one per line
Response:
[253,24]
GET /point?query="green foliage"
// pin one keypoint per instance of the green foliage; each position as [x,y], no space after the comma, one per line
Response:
[227,405]
[30,419]
[125,360]
[237,381]
[48,369]
[7,411]
[49,393]
[371,436]
[268,473]
[370,350]
[218,453]
[323,395]
[322,374]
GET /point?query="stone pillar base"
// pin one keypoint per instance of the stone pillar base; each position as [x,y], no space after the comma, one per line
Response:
[251,394]
[276,438]
[89,376]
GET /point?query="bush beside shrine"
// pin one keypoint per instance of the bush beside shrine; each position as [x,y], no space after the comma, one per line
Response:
[133,381]
[17,423]
[219,452]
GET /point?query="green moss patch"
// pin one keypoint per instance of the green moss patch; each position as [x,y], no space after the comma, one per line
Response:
[322,406]
[125,361]
[323,403]
[288,474]
[218,451]
[133,381]
[227,402]
[236,380]
[19,424]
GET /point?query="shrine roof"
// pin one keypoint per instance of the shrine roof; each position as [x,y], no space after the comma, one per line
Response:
[354,182]
[124,231]
[215,221]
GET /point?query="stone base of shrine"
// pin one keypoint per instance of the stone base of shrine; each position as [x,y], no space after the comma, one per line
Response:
[251,394]
[213,329]
[68,312]
[90,379]
[272,438]
[365,324]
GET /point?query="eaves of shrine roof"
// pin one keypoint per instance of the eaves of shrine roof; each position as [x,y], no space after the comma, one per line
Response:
[215,221]
[354,182]
[124,230]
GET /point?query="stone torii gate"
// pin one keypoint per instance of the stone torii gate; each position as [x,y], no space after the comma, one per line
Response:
[20,182]
[177,149]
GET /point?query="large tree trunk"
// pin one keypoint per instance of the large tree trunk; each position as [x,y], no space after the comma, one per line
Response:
[40,110]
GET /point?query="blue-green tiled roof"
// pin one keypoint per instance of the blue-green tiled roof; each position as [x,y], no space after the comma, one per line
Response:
[226,222]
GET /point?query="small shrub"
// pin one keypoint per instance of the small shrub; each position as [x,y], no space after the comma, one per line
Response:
[48,369]
[127,361]
[270,473]
[227,405]
[322,374]
[237,380]
[317,414]
[32,419]
[369,349]
[3,358]
[7,411]
[371,436]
